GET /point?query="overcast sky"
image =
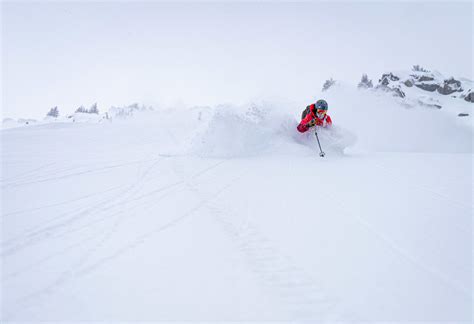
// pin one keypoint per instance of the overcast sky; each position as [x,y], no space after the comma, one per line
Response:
[115,53]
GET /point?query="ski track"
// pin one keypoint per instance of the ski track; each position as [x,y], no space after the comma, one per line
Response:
[48,234]
[294,288]
[62,203]
[68,175]
[124,213]
[66,220]
[396,177]
[26,174]
[48,171]
[435,273]
[407,182]
[297,292]
[104,233]
[44,260]
[81,267]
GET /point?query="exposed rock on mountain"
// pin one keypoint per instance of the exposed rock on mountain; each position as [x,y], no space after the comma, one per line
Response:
[470,96]
[397,82]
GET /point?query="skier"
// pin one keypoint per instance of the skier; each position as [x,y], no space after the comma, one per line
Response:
[315,115]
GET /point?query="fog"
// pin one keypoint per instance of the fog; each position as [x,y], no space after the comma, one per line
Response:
[115,53]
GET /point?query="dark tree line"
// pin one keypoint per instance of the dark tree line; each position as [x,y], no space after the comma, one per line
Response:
[54,112]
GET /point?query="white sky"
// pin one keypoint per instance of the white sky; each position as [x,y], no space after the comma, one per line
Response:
[116,53]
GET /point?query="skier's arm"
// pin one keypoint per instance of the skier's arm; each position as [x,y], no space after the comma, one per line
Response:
[328,120]
[302,127]
[305,124]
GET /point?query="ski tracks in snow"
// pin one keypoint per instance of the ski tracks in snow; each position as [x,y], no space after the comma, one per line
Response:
[291,286]
[405,180]
[85,263]
[59,174]
[393,245]
[296,290]
[64,224]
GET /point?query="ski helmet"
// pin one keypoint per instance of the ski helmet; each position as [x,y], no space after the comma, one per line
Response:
[321,104]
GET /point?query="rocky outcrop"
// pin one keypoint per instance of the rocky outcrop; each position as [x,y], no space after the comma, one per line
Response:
[431,87]
[449,86]
[398,92]
[394,90]
[469,97]
[408,83]
[388,82]
[428,104]
[386,78]
[424,80]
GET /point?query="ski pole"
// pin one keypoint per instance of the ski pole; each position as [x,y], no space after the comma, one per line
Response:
[321,153]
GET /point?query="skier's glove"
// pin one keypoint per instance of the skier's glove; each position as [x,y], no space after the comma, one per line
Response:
[311,123]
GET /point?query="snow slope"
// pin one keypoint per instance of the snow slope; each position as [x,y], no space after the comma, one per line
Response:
[227,213]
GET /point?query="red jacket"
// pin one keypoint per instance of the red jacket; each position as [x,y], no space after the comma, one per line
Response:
[312,120]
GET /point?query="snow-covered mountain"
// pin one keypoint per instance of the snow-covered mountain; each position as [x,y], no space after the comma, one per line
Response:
[420,78]
[420,87]
[228,213]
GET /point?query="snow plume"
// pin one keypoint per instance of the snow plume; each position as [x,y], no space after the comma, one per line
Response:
[128,111]
[233,131]
[334,140]
[257,129]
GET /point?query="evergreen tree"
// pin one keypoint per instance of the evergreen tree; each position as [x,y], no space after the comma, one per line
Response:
[54,112]
[81,109]
[365,83]
[93,109]
[328,84]
[418,68]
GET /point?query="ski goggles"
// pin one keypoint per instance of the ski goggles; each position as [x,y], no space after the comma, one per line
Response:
[320,113]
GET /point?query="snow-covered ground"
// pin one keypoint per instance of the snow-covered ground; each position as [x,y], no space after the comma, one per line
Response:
[227,213]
